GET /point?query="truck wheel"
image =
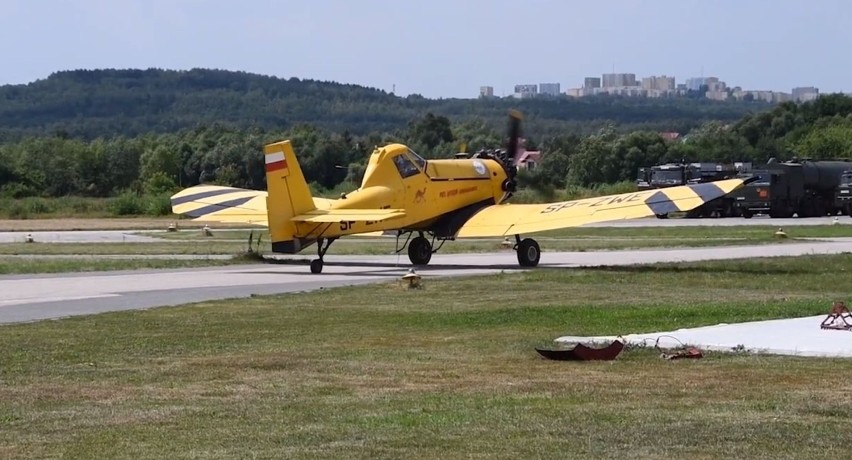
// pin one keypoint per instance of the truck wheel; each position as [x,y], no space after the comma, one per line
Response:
[747,214]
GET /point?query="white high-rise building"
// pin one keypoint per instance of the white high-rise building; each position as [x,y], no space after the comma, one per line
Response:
[549,89]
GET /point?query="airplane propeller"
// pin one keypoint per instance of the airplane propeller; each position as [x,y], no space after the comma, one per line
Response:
[511,156]
[508,157]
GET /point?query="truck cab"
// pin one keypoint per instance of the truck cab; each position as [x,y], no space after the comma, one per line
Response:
[843,197]
[669,175]
[756,197]
[643,179]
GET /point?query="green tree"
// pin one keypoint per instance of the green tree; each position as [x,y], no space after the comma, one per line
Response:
[827,142]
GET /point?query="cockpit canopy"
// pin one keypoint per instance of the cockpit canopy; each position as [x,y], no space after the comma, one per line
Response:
[409,163]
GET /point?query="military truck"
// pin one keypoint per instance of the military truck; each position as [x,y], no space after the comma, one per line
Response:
[843,197]
[803,188]
[643,179]
[674,174]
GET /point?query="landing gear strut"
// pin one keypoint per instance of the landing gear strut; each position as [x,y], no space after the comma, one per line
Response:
[420,250]
[316,264]
[528,251]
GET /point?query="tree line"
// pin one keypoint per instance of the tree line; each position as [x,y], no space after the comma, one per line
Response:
[158,163]
[88,104]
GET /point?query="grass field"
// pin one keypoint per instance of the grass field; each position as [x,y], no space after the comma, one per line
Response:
[444,372]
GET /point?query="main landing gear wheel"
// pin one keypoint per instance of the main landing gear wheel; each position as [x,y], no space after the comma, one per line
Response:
[528,253]
[420,251]
[316,264]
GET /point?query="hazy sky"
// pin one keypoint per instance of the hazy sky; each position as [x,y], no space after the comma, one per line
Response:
[439,48]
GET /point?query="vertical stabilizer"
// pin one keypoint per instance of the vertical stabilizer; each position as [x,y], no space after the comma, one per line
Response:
[288,196]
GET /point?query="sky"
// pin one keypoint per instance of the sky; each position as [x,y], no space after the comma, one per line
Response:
[440,48]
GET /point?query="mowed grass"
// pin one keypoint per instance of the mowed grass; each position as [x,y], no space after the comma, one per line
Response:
[448,371]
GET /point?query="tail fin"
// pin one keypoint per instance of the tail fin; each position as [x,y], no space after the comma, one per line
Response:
[288,196]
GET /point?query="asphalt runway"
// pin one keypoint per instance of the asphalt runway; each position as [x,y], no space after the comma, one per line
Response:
[35,297]
[80,236]
[125,236]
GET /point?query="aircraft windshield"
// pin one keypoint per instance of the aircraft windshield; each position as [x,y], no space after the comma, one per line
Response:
[667,176]
[421,163]
[763,177]
[846,179]
[405,167]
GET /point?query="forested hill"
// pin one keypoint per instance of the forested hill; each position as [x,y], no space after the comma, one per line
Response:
[107,103]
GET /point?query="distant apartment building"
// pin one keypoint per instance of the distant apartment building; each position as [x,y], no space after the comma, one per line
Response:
[805,93]
[716,89]
[624,84]
[695,84]
[591,82]
[525,91]
[661,83]
[486,91]
[549,89]
[617,80]
[761,95]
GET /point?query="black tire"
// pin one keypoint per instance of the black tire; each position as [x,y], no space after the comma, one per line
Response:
[662,216]
[529,253]
[747,214]
[316,266]
[420,251]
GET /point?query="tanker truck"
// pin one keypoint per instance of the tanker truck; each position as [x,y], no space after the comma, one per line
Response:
[843,197]
[805,188]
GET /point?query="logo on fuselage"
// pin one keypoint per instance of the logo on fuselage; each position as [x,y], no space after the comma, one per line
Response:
[420,195]
[480,168]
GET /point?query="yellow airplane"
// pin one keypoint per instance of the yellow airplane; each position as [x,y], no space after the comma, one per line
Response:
[403,193]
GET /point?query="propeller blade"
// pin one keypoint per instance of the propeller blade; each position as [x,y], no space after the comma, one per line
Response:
[514,135]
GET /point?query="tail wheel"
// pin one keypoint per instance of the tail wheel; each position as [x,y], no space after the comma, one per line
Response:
[528,253]
[420,251]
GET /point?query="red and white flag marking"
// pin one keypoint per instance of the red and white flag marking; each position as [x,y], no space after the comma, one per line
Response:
[275,162]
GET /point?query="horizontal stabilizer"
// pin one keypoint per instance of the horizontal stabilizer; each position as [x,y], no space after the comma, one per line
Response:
[213,203]
[351,215]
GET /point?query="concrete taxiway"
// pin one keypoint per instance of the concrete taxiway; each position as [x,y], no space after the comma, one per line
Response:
[128,236]
[79,236]
[35,297]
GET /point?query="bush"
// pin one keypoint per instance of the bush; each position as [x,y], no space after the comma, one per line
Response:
[159,183]
[127,204]
[39,206]
[158,205]
[16,190]
[18,211]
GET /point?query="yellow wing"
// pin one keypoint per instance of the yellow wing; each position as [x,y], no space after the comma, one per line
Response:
[516,219]
[216,203]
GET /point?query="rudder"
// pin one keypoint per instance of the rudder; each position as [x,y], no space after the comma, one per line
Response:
[288,196]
